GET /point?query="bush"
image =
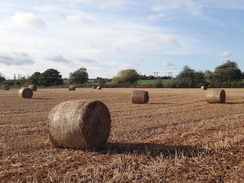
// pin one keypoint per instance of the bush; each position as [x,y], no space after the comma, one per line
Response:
[234,84]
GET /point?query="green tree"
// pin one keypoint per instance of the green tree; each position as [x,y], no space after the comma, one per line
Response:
[79,76]
[127,76]
[2,78]
[34,79]
[227,72]
[188,78]
[207,74]
[50,77]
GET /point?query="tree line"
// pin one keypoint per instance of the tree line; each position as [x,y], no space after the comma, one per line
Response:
[226,75]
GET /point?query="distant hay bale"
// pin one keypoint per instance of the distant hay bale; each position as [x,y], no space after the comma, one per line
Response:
[204,87]
[25,92]
[5,87]
[140,97]
[72,88]
[99,87]
[33,87]
[79,124]
[216,96]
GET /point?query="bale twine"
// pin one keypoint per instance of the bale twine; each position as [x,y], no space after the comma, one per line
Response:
[140,97]
[216,96]
[99,87]
[71,88]
[79,124]
[5,87]
[33,87]
[204,87]
[25,92]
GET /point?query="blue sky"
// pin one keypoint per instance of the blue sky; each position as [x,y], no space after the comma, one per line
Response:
[107,36]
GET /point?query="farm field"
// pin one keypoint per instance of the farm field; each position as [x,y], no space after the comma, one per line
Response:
[176,137]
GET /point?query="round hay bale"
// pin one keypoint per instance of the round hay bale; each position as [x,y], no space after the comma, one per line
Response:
[33,87]
[79,124]
[99,87]
[5,87]
[216,96]
[140,97]
[25,92]
[71,88]
[204,87]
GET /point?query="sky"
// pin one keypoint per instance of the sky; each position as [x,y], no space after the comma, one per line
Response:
[107,36]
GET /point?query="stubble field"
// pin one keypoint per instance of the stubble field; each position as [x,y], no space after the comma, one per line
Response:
[176,137]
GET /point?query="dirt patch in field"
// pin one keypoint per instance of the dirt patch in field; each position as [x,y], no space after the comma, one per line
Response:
[176,137]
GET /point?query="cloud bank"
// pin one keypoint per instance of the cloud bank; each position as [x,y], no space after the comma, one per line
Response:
[15,59]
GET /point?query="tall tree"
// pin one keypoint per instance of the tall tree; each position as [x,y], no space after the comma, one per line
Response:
[34,79]
[188,78]
[127,76]
[50,77]
[2,78]
[227,72]
[79,76]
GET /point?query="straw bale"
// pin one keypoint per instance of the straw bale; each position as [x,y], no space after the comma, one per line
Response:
[71,88]
[25,92]
[79,124]
[140,97]
[204,87]
[5,87]
[216,96]
[33,87]
[99,87]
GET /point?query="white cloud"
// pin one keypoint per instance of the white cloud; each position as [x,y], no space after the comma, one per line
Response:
[156,17]
[162,39]
[225,54]
[74,18]
[26,20]
[168,65]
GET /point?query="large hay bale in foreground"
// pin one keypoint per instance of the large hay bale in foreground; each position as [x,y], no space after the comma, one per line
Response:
[71,88]
[140,97]
[33,87]
[25,92]
[216,96]
[79,124]
[204,87]
[5,87]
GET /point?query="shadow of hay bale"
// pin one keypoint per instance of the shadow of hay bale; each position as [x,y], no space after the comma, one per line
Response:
[154,150]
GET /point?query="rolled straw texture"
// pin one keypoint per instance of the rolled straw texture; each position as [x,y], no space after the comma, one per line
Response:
[79,124]
[204,87]
[71,87]
[140,97]
[216,96]
[33,87]
[25,92]
[5,87]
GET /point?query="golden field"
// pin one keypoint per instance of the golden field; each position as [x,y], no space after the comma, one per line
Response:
[176,137]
